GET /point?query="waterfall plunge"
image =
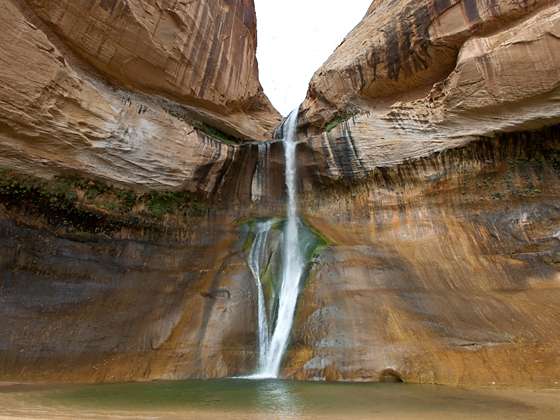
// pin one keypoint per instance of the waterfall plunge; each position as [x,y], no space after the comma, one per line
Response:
[256,263]
[271,351]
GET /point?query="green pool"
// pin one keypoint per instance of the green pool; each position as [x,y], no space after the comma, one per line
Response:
[246,399]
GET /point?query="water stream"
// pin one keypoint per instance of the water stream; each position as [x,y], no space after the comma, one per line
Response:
[258,185]
[257,261]
[273,346]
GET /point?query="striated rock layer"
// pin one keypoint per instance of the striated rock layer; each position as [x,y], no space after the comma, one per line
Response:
[431,140]
[439,270]
[429,167]
[123,173]
[201,54]
[133,307]
[58,114]
[415,78]
[428,65]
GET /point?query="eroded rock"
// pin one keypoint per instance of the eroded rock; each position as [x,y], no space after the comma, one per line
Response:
[443,269]
[430,164]
[442,68]
[201,54]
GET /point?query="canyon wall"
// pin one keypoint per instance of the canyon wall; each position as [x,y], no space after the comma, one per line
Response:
[200,54]
[439,270]
[65,109]
[431,136]
[128,139]
[131,174]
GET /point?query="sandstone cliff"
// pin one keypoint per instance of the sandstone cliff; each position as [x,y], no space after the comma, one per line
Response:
[418,77]
[59,113]
[432,148]
[439,270]
[429,166]
[423,61]
[201,54]
[121,122]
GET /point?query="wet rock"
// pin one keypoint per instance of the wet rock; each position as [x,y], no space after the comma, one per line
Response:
[429,167]
[124,309]
[440,269]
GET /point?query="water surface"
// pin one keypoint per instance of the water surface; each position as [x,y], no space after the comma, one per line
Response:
[273,399]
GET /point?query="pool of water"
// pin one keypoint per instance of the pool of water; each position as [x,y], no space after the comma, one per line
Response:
[247,399]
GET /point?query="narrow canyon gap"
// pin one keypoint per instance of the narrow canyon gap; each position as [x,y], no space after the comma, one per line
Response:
[143,222]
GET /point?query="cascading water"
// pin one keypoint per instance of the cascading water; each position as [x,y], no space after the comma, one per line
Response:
[256,262]
[258,185]
[293,264]
[292,260]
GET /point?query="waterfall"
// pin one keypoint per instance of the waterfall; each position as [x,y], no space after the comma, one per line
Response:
[258,186]
[273,346]
[256,261]
[292,261]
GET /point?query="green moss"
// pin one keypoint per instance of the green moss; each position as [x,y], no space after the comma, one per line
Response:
[167,202]
[111,206]
[216,133]
[162,203]
[248,243]
[530,192]
[56,200]
[337,120]
[311,244]
[95,189]
[88,205]
[62,187]
[127,199]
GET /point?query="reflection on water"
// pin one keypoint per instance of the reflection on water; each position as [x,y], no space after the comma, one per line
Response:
[237,394]
[278,397]
[274,399]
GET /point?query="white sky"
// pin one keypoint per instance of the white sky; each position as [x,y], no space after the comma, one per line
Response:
[295,37]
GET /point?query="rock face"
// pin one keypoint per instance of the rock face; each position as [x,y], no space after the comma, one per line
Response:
[430,60]
[201,54]
[440,270]
[472,82]
[62,116]
[122,309]
[101,283]
[429,167]
[432,148]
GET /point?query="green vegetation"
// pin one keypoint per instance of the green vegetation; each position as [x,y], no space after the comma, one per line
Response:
[215,133]
[498,196]
[311,243]
[127,199]
[173,202]
[88,205]
[337,120]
